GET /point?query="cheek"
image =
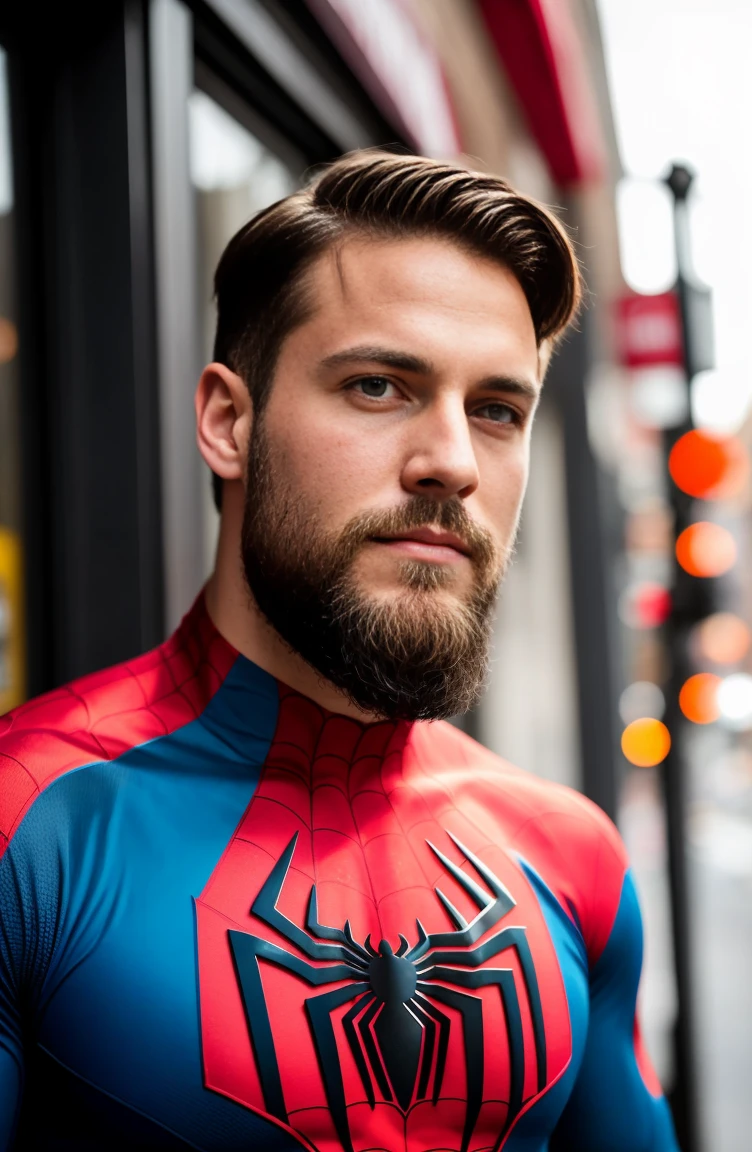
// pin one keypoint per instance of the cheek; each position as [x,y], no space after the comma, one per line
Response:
[502,489]
[336,472]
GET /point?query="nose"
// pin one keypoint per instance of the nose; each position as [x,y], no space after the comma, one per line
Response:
[441,458]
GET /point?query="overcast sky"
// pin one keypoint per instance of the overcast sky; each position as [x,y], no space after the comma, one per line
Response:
[681,84]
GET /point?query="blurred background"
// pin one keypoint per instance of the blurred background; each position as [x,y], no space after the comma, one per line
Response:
[137,136]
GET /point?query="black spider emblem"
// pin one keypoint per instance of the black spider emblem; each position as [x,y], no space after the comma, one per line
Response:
[396,1031]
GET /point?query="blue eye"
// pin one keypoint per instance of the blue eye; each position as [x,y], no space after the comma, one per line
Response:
[499,413]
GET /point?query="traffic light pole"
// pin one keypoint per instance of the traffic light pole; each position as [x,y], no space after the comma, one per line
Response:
[683,1096]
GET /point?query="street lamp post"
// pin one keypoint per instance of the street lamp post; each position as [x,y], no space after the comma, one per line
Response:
[688,593]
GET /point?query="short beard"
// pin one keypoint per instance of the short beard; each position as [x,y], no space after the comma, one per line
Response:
[411,657]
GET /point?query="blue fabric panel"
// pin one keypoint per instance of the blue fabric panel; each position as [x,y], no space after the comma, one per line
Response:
[104,869]
[611,1109]
[10,1091]
[531,1131]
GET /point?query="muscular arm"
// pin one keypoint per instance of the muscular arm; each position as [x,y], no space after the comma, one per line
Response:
[616,1104]
[11,1045]
[10,1094]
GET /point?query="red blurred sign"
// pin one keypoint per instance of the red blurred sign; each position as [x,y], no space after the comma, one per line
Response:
[649,330]
[544,55]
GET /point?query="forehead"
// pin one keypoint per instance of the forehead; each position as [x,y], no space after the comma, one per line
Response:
[429,294]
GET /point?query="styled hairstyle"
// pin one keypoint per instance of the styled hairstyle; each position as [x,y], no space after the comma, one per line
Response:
[260,283]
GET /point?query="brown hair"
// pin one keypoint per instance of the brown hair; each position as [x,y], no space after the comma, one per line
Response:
[260,280]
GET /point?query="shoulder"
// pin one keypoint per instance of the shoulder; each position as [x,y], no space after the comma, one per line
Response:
[97,718]
[454,761]
[556,830]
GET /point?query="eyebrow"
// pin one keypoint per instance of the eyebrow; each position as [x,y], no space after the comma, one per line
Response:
[513,384]
[408,362]
[405,361]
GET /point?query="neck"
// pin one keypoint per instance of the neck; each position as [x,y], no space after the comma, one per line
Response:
[235,616]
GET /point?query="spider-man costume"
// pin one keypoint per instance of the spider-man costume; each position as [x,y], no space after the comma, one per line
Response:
[232,920]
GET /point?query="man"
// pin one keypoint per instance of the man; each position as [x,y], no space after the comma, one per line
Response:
[250,897]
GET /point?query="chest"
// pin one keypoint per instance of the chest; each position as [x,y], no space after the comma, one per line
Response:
[377,969]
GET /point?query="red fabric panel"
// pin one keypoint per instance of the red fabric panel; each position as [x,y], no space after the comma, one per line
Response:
[363,802]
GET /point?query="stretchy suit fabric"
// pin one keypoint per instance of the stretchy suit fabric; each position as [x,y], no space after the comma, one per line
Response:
[232,920]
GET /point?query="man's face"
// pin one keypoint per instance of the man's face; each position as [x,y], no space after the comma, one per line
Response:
[387,471]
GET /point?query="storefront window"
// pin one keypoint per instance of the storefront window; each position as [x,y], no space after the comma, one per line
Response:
[235,175]
[12,632]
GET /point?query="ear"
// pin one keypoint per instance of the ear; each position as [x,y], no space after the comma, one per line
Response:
[224,414]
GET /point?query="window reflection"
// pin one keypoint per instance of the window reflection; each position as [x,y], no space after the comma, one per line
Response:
[12,638]
[234,175]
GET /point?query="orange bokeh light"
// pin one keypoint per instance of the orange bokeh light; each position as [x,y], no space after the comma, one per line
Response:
[698,698]
[645,742]
[709,467]
[8,340]
[706,549]
[723,638]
